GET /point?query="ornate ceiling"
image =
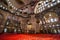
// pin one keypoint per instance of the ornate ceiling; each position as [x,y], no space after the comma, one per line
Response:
[29,16]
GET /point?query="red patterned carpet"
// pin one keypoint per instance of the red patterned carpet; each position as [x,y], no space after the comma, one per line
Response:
[29,37]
